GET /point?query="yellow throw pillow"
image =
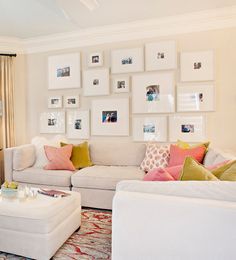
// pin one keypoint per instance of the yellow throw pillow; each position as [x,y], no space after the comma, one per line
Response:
[80,155]
[185,145]
[194,171]
[226,172]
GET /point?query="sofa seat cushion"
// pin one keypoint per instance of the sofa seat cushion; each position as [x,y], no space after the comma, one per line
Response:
[44,177]
[105,177]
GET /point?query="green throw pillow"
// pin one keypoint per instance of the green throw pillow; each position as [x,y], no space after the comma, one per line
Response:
[80,155]
[229,174]
[218,172]
[194,171]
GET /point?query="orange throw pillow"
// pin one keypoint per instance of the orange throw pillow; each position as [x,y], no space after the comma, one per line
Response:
[59,158]
[178,155]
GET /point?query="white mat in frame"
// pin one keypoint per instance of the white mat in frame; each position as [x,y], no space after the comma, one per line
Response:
[96,82]
[153,93]
[160,55]
[150,128]
[64,71]
[110,117]
[188,128]
[195,98]
[78,124]
[52,122]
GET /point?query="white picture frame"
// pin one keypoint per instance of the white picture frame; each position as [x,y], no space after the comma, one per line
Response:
[95,59]
[197,66]
[160,55]
[52,122]
[110,117]
[187,128]
[55,102]
[64,71]
[78,124]
[96,82]
[153,93]
[71,101]
[150,129]
[127,60]
[195,98]
[121,84]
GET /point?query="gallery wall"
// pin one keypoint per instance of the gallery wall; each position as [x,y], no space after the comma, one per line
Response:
[220,124]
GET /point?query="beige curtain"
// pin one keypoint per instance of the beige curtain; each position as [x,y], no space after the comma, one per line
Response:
[7,97]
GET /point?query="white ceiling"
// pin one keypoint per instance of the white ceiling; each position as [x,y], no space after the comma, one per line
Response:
[32,18]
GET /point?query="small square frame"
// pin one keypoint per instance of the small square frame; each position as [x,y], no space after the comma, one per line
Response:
[96,82]
[55,102]
[120,84]
[95,59]
[78,124]
[71,101]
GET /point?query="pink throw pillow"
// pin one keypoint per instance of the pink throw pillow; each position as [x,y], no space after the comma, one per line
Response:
[59,158]
[178,155]
[158,174]
[175,171]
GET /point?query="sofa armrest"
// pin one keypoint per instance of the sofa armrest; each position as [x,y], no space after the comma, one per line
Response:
[18,158]
[151,226]
[215,190]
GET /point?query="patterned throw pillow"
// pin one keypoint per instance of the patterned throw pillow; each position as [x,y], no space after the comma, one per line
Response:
[156,156]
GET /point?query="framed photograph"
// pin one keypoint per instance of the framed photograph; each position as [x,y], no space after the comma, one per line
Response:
[127,60]
[153,93]
[197,66]
[55,102]
[110,117]
[187,128]
[64,71]
[150,129]
[78,124]
[120,84]
[96,82]
[195,98]
[52,123]
[71,101]
[95,59]
[161,55]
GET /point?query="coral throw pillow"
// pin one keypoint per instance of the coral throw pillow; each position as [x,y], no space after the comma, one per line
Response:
[178,155]
[155,157]
[59,158]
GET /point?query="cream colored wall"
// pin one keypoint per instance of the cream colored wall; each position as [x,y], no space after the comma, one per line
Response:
[20,99]
[221,124]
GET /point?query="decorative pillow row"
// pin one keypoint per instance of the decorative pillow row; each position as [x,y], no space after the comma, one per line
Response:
[49,155]
[162,156]
[192,170]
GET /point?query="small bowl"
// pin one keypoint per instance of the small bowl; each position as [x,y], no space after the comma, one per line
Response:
[8,192]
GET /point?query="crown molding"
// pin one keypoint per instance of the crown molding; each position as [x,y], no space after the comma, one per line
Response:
[11,45]
[180,24]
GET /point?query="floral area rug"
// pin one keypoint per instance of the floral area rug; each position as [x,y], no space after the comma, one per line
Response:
[91,241]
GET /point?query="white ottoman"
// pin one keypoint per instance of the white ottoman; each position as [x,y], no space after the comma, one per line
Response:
[37,228]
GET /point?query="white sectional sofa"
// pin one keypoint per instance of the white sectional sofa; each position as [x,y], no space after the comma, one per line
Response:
[188,220]
[112,161]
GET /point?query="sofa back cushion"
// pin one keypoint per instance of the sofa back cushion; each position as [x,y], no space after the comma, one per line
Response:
[23,157]
[117,153]
[215,156]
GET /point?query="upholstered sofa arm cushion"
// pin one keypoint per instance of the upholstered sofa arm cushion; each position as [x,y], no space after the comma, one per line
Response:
[224,190]
[23,157]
